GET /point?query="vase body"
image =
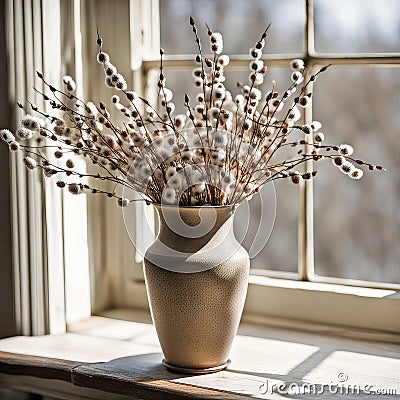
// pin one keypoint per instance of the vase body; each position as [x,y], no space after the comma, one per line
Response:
[196,283]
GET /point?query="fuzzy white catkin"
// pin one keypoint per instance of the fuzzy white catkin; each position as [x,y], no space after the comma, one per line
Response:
[347,168]
[256,65]
[30,163]
[13,146]
[338,161]
[175,181]
[357,174]
[123,202]
[166,95]
[109,69]
[103,58]
[319,137]
[255,94]
[297,77]
[196,73]
[7,136]
[304,101]
[74,188]
[66,79]
[346,149]
[216,43]
[256,79]
[108,82]
[200,97]
[170,108]
[169,196]
[316,126]
[223,60]
[255,53]
[171,171]
[91,108]
[23,133]
[239,99]
[221,139]
[297,64]
[121,83]
[69,83]
[31,123]
[180,121]
[198,82]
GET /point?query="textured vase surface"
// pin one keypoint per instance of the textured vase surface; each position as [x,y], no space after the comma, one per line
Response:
[196,275]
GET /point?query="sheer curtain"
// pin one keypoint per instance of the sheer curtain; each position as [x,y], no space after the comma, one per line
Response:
[42,35]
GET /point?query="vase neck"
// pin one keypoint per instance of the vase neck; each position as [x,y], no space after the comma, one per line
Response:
[195,227]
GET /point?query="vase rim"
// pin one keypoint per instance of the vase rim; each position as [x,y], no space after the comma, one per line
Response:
[174,206]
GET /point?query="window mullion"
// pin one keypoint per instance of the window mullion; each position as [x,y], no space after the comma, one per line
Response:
[309,33]
[236,61]
[356,59]
[305,224]
[306,213]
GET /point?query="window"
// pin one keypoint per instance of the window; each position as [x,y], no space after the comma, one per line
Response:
[362,113]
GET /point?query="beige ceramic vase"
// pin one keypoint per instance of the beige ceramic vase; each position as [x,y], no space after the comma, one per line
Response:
[196,275]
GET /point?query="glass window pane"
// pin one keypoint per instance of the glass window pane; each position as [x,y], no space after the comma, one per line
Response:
[357,223]
[280,250]
[357,26]
[240,22]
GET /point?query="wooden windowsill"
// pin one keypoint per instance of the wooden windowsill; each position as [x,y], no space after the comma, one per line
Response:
[122,360]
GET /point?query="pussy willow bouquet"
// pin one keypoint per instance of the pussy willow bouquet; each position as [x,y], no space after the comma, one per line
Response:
[220,152]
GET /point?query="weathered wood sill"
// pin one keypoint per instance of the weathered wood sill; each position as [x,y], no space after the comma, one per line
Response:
[105,358]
